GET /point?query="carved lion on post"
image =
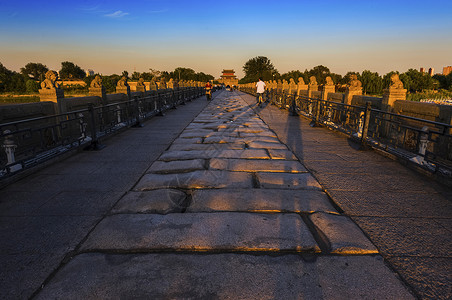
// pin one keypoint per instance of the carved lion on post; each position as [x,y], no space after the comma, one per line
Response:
[396,83]
[312,80]
[354,82]
[122,82]
[329,81]
[97,82]
[50,81]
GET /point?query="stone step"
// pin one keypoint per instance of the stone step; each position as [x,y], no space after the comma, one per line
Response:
[260,200]
[195,180]
[202,232]
[223,276]
[257,165]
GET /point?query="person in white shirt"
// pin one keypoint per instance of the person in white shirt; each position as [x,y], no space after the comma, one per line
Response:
[260,85]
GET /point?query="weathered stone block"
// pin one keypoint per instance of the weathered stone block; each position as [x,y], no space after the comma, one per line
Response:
[247,165]
[177,166]
[195,180]
[202,232]
[159,201]
[223,276]
[281,154]
[267,145]
[286,180]
[260,200]
[342,235]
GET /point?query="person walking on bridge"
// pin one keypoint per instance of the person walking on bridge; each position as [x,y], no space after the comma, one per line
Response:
[260,85]
[208,91]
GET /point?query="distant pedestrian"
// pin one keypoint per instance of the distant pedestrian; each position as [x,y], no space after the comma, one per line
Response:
[208,91]
[260,85]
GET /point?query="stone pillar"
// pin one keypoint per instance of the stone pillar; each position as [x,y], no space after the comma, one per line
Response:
[354,88]
[313,86]
[393,93]
[350,92]
[326,89]
[53,95]
[50,89]
[123,87]
[390,96]
[301,87]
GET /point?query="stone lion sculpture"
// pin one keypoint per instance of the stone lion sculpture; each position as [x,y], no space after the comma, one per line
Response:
[97,82]
[396,83]
[50,81]
[301,81]
[312,80]
[122,82]
[329,81]
[140,82]
[354,82]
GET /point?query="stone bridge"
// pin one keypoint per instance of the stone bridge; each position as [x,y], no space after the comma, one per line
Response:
[226,200]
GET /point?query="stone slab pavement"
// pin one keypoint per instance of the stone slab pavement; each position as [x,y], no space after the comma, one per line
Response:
[406,215]
[216,206]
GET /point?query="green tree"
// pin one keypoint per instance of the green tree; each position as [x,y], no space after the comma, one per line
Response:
[372,82]
[11,81]
[419,81]
[320,72]
[71,71]
[445,81]
[136,75]
[34,71]
[31,86]
[259,66]
[294,75]
[183,74]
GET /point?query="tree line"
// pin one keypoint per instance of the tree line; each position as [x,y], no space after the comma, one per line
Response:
[29,78]
[373,83]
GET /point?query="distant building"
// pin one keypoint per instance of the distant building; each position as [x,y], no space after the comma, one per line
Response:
[447,70]
[228,78]
[90,72]
[422,70]
[431,71]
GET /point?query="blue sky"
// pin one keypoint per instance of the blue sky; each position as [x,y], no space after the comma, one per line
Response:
[112,36]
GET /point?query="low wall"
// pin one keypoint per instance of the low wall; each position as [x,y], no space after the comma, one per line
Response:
[316,94]
[336,97]
[361,100]
[113,98]
[427,111]
[17,112]
[78,103]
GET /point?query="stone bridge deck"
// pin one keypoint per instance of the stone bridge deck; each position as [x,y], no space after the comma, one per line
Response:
[226,200]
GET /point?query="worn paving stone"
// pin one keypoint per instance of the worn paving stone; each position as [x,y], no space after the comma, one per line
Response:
[281,154]
[260,200]
[195,180]
[223,276]
[217,153]
[186,141]
[204,147]
[287,181]
[195,133]
[342,235]
[254,165]
[177,166]
[245,139]
[162,201]
[202,232]
[267,145]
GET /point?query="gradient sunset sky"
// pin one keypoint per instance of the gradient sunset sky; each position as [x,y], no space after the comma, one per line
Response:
[208,36]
